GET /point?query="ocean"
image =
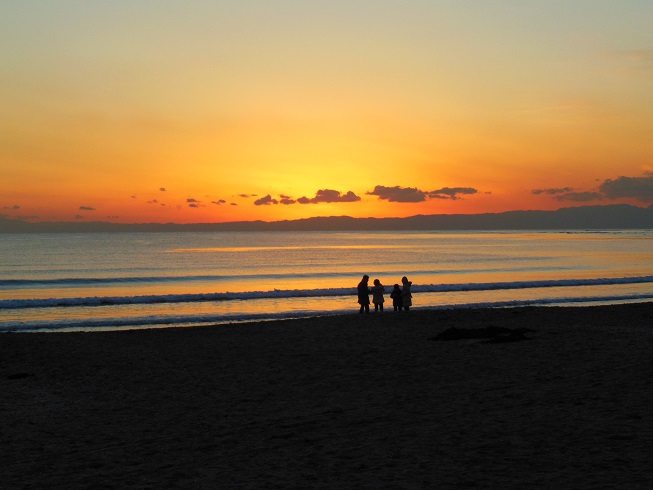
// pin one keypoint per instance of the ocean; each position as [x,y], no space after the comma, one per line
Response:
[110,281]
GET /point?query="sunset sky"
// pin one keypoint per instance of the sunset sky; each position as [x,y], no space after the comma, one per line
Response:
[212,111]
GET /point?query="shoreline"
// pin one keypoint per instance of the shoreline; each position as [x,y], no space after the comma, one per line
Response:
[336,401]
[92,324]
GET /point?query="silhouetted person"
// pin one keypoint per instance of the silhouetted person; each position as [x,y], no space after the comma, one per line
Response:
[377,295]
[406,297]
[364,295]
[396,298]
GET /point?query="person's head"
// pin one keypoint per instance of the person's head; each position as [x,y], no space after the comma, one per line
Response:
[404,279]
[366,278]
[396,286]
[376,282]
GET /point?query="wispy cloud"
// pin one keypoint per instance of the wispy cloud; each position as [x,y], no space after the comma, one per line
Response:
[86,208]
[451,192]
[552,191]
[635,61]
[636,55]
[579,196]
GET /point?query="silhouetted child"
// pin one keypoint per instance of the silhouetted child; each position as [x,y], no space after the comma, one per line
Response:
[377,295]
[396,298]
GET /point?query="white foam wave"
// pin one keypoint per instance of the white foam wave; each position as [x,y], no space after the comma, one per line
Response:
[162,321]
[302,293]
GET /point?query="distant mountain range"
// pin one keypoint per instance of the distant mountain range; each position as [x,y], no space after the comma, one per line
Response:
[616,216]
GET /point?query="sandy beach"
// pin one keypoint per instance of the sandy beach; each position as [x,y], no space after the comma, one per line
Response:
[354,401]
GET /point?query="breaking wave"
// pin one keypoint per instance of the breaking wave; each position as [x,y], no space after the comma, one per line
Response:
[92,301]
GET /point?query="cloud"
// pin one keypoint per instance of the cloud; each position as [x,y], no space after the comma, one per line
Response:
[321,196]
[246,196]
[640,188]
[412,194]
[579,196]
[14,207]
[153,201]
[86,208]
[219,202]
[398,194]
[329,196]
[194,203]
[553,191]
[451,192]
[162,189]
[265,201]
[283,199]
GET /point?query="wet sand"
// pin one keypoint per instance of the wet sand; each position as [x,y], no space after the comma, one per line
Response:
[354,401]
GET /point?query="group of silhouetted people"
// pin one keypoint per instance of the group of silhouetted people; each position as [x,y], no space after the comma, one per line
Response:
[401,297]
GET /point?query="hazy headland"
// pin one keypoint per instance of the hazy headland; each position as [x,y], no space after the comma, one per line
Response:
[616,216]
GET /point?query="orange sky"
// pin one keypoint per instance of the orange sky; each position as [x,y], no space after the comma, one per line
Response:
[224,111]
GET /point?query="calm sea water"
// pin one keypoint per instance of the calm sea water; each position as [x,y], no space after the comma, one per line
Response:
[142,280]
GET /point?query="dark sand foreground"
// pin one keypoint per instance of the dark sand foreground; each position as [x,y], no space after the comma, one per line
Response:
[337,402]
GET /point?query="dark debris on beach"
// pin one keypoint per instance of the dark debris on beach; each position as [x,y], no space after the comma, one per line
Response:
[493,334]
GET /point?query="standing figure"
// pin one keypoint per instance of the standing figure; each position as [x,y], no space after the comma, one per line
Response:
[406,297]
[377,295]
[364,295]
[396,298]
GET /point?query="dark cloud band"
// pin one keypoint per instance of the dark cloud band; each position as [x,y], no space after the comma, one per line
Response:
[412,194]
